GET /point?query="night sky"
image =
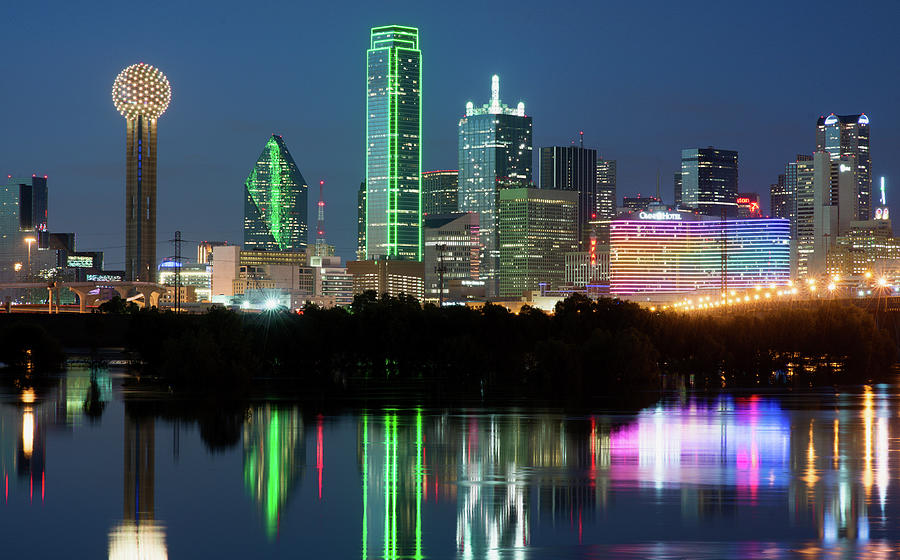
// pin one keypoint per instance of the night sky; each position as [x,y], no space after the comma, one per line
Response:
[642,79]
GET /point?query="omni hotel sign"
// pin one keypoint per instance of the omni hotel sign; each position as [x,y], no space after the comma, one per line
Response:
[659,215]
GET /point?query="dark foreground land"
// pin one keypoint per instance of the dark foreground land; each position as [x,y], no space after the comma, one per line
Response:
[587,350]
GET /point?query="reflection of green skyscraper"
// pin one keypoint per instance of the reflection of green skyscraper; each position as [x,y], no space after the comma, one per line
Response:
[391,455]
[393,150]
[273,459]
[275,202]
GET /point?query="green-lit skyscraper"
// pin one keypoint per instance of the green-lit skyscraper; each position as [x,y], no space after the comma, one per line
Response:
[275,202]
[393,148]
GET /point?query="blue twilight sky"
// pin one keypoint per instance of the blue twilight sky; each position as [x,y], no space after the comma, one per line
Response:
[642,79]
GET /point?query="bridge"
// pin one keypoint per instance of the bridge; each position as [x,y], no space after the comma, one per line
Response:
[146,293]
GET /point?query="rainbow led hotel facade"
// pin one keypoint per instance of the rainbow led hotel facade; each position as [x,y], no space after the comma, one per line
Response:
[663,255]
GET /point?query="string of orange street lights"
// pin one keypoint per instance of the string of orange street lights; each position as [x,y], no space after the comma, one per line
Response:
[771,293]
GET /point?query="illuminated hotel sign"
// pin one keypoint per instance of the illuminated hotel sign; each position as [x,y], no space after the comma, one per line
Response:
[78,261]
[660,215]
[743,200]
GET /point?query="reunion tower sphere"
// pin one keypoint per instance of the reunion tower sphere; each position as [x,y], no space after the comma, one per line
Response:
[141,90]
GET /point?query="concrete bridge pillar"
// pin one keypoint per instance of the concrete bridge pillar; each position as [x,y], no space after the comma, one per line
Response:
[84,297]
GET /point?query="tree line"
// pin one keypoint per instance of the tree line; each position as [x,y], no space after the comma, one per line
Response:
[586,349]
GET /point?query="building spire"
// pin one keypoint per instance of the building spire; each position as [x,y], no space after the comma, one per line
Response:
[320,224]
[495,94]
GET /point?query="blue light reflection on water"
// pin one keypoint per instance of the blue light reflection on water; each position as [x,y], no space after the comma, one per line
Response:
[733,476]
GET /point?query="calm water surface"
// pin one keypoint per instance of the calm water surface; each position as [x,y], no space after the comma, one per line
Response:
[734,476]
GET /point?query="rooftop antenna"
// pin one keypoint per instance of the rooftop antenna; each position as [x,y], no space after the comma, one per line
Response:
[581,134]
[320,224]
[658,199]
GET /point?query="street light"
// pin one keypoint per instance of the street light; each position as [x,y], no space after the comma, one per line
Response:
[30,241]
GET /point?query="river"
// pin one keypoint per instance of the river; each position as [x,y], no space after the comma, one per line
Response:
[738,475]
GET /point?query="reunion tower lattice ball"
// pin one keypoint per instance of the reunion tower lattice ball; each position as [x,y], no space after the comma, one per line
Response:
[141,90]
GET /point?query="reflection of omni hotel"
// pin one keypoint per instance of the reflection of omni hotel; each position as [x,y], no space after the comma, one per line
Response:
[678,253]
[274,454]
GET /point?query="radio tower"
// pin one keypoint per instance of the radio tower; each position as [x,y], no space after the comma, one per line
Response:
[320,223]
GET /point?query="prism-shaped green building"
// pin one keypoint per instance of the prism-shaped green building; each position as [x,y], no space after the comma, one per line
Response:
[275,212]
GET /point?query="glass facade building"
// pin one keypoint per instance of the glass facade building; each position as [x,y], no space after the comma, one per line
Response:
[439,192]
[23,215]
[537,229]
[606,188]
[682,256]
[573,168]
[495,151]
[393,144]
[709,180]
[275,196]
[848,135]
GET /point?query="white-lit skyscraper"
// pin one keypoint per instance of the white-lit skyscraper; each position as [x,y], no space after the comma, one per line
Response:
[494,153]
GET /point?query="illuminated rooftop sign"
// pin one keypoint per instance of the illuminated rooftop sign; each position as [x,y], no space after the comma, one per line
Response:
[659,215]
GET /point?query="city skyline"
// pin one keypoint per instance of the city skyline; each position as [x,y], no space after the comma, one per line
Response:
[88,180]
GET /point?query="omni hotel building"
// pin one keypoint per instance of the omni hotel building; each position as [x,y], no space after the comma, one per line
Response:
[679,253]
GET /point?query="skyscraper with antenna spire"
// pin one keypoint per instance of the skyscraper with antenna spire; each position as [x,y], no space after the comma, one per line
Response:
[494,154]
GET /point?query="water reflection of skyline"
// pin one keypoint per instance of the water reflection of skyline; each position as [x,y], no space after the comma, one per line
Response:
[517,482]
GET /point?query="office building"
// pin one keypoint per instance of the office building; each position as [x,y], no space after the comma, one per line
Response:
[697,254]
[361,222]
[676,190]
[439,192]
[709,181]
[141,94]
[494,154]
[24,239]
[639,203]
[275,198]
[588,270]
[333,284]
[868,247]
[573,168]
[388,277]
[826,198]
[606,188]
[748,205]
[452,258]
[845,136]
[205,250]
[781,200]
[393,144]
[537,228]
[195,276]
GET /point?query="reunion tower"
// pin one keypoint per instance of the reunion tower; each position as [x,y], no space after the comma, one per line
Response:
[141,93]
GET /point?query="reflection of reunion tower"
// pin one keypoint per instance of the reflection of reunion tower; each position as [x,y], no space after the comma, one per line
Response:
[141,93]
[138,535]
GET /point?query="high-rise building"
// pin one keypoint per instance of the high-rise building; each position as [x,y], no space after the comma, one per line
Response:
[827,196]
[23,226]
[361,222]
[709,180]
[780,199]
[439,192]
[452,257]
[390,277]
[848,135]
[494,154]
[748,205]
[275,195]
[141,93]
[639,203]
[537,229]
[677,191]
[606,188]
[697,253]
[393,144]
[573,168]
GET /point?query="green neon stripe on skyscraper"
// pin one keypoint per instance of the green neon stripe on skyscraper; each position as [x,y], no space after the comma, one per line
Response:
[275,162]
